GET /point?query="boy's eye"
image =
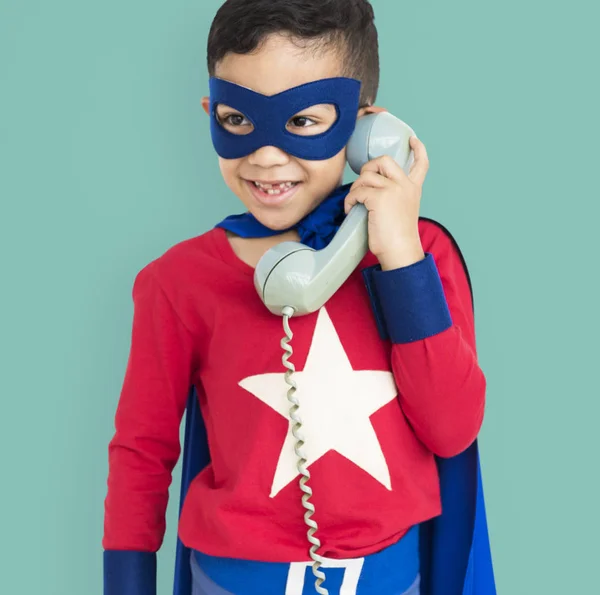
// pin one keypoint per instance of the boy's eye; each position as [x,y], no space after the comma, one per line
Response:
[302,122]
[235,120]
[313,121]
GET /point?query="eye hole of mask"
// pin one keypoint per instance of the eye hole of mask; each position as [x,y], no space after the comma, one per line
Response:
[233,120]
[311,121]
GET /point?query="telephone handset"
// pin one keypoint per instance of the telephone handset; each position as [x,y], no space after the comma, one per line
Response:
[296,276]
[294,279]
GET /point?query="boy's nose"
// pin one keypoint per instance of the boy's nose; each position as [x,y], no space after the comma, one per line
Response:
[268,157]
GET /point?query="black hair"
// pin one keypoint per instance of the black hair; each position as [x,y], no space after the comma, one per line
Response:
[345,26]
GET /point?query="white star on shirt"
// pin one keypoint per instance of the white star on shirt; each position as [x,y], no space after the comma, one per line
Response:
[336,403]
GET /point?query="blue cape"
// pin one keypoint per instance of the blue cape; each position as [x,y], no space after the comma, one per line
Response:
[455,549]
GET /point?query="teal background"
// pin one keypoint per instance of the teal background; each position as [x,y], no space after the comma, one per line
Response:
[106,161]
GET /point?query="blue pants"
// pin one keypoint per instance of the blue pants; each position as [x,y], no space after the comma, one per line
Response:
[203,585]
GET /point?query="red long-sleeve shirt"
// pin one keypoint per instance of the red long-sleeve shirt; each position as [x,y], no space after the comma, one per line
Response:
[376,412]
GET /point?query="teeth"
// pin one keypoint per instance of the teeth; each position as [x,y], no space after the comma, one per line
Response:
[275,189]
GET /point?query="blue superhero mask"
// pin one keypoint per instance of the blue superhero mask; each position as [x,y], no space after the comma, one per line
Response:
[270,115]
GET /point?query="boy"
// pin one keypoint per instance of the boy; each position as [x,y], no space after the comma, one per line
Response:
[289,78]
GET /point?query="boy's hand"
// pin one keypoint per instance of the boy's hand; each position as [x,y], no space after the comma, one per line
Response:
[393,200]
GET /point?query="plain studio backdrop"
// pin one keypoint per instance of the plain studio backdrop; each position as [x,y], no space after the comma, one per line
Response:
[106,161]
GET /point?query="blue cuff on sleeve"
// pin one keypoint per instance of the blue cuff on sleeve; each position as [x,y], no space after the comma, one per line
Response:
[409,303]
[129,573]
[375,305]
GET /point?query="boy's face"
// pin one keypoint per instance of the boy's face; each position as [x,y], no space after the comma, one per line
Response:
[258,177]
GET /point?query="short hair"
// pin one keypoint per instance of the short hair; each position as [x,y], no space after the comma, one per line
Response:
[344,26]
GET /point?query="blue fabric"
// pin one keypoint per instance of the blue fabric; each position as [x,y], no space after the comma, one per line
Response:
[129,573]
[409,303]
[203,585]
[387,572]
[196,456]
[270,115]
[316,229]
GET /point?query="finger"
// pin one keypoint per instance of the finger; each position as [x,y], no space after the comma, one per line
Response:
[370,179]
[420,166]
[387,167]
[365,195]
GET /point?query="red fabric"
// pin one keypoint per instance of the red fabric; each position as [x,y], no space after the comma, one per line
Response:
[198,320]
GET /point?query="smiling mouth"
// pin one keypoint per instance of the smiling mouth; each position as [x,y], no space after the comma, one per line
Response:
[273,194]
[274,189]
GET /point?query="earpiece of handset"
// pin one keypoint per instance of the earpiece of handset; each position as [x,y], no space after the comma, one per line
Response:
[380,134]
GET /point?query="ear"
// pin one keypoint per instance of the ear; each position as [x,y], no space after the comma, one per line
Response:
[370,109]
[206,104]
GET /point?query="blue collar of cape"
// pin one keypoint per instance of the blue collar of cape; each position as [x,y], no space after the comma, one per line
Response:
[315,230]
[455,549]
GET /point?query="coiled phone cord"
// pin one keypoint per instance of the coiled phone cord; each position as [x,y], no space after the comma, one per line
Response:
[288,312]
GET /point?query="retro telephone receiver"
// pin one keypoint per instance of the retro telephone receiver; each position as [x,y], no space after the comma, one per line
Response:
[292,275]
[294,279]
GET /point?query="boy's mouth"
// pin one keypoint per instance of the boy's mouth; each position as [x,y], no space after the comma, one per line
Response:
[274,188]
[272,193]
